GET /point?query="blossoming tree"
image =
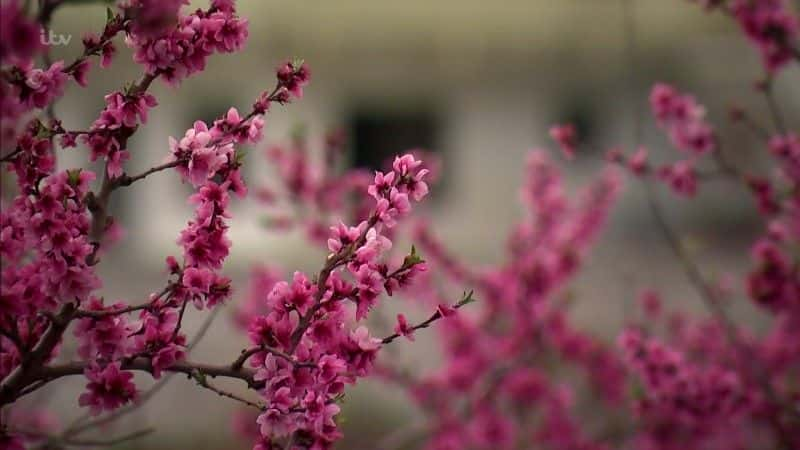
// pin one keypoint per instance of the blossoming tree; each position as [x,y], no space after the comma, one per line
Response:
[672,381]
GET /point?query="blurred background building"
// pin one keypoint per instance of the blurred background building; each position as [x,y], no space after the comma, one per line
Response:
[477,82]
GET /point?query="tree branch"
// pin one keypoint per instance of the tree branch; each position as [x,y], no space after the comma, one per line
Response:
[78,428]
[144,364]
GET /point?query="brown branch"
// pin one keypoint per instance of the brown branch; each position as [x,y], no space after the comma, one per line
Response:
[46,10]
[247,353]
[11,155]
[110,312]
[82,313]
[126,180]
[31,365]
[144,364]
[78,428]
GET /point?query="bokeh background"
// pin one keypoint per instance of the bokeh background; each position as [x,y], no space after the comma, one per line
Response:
[478,83]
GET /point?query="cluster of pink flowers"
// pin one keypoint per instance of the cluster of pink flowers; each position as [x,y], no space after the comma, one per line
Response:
[182,50]
[50,233]
[786,149]
[108,388]
[153,17]
[313,195]
[307,351]
[19,38]
[514,370]
[107,138]
[683,119]
[680,402]
[42,87]
[769,25]
[23,88]
[45,249]
[19,43]
[491,383]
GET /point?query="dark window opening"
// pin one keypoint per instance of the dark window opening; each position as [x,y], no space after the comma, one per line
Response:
[580,113]
[377,136]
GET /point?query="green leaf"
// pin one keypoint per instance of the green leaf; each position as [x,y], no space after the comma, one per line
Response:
[240,155]
[412,258]
[467,299]
[73,176]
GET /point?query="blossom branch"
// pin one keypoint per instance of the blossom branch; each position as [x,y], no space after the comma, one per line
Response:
[78,428]
[247,353]
[465,300]
[144,364]
[24,374]
[334,261]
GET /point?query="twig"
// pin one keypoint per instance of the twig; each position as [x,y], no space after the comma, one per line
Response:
[202,381]
[110,312]
[754,126]
[690,267]
[126,180]
[247,353]
[467,298]
[11,155]
[82,313]
[774,110]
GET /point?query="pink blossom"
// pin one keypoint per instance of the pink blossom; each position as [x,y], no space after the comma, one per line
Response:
[683,119]
[402,328]
[105,337]
[566,138]
[342,236]
[770,26]
[108,388]
[197,281]
[680,176]
[637,163]
[44,86]
[293,76]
